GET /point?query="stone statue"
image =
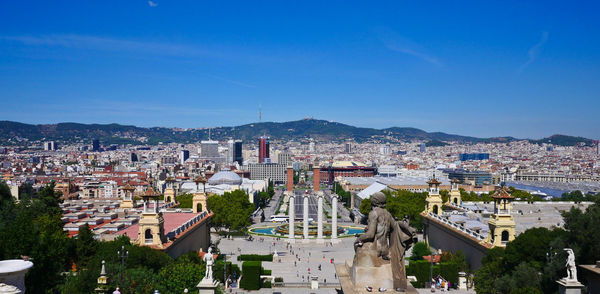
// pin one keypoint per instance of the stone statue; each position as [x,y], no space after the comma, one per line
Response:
[571,267]
[210,260]
[385,241]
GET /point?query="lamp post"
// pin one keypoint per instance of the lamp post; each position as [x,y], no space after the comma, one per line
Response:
[431,271]
[122,254]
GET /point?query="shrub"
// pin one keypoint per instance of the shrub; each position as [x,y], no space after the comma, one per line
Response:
[255,257]
[250,275]
[421,269]
[266,272]
[266,284]
[419,250]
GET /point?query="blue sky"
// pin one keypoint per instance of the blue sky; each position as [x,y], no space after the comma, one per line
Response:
[480,68]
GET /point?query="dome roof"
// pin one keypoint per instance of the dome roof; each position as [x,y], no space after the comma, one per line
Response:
[225,177]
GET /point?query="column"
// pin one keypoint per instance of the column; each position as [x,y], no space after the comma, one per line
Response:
[291,213]
[305,218]
[320,217]
[334,228]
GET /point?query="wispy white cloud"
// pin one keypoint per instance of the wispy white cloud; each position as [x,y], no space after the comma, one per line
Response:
[143,48]
[534,52]
[395,42]
[152,3]
[106,44]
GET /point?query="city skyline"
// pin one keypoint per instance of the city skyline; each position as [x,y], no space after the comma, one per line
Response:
[233,127]
[527,70]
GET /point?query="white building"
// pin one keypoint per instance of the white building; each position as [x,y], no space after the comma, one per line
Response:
[273,171]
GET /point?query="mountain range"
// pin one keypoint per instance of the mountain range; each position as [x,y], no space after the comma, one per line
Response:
[321,130]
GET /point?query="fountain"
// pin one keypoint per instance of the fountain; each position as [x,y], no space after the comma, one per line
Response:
[283,230]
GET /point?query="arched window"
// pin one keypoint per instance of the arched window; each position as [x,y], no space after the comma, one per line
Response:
[199,207]
[455,200]
[148,236]
[168,199]
[504,236]
[435,209]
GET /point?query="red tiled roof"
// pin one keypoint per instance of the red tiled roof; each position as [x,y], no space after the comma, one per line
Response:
[172,221]
[436,258]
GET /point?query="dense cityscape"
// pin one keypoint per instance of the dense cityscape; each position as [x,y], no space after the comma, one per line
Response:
[168,147]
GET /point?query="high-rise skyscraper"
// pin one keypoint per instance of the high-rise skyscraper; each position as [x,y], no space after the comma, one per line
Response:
[95,145]
[422,148]
[209,149]
[183,156]
[234,152]
[50,146]
[237,152]
[263,149]
[230,150]
[348,147]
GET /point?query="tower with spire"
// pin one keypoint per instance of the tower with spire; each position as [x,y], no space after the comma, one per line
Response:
[128,201]
[199,201]
[152,224]
[434,199]
[501,223]
[455,198]
[170,191]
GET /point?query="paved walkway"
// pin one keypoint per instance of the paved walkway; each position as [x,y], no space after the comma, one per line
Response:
[273,204]
[291,268]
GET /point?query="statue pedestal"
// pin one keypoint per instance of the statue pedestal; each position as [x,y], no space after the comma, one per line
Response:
[207,286]
[569,287]
[355,279]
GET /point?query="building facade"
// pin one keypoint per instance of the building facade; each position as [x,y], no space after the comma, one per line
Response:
[263,149]
[274,171]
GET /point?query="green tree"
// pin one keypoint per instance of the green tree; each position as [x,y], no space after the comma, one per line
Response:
[445,195]
[140,280]
[584,232]
[33,227]
[231,211]
[176,277]
[5,195]
[531,246]
[85,246]
[419,250]
[524,279]
[486,276]
[185,200]
[262,199]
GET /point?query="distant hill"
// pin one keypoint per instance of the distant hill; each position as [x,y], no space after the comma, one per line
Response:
[321,130]
[562,140]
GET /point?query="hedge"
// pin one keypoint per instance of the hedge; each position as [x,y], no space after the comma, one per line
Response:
[255,257]
[251,275]
[449,270]
[267,272]
[421,269]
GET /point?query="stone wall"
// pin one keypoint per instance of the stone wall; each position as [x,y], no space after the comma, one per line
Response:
[442,236]
[197,237]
